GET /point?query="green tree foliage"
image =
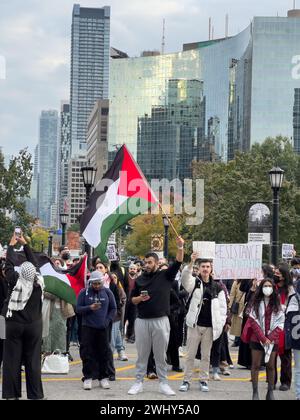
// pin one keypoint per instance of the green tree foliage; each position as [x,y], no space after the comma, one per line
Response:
[230,187]
[138,242]
[14,188]
[39,239]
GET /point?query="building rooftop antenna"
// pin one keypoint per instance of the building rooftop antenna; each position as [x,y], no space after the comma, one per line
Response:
[226,26]
[163,43]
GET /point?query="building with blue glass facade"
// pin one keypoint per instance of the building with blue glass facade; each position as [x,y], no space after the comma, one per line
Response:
[249,92]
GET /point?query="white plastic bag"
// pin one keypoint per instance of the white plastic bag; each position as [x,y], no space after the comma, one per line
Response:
[56,363]
[2,328]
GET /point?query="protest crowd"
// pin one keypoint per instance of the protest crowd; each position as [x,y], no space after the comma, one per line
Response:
[164,307]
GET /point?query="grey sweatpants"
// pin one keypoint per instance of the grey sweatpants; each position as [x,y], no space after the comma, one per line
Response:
[152,334]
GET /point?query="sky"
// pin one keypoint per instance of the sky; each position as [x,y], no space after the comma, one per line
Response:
[35,45]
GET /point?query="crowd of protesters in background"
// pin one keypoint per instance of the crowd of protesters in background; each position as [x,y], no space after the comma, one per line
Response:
[166,309]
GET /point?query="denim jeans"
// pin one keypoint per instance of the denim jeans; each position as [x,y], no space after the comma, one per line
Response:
[116,337]
[297,372]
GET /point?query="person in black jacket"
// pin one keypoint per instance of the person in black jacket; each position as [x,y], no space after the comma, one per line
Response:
[151,295]
[23,313]
[3,296]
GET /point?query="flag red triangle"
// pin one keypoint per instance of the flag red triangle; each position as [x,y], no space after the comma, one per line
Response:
[132,180]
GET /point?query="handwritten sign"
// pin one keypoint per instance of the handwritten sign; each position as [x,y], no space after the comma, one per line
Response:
[205,249]
[238,261]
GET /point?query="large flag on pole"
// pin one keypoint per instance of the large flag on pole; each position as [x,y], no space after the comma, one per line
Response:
[122,194]
[65,284]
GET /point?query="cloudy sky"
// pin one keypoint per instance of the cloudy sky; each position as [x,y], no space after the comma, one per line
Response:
[35,42]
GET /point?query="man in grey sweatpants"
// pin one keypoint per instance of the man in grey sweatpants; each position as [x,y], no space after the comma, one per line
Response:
[152,328]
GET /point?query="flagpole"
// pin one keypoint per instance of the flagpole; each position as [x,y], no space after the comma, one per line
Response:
[169,220]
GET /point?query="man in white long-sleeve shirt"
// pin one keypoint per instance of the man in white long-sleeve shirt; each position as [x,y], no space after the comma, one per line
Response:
[205,319]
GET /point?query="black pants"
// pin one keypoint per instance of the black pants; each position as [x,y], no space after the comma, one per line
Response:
[286,368]
[70,325]
[23,343]
[94,350]
[110,368]
[225,353]
[130,316]
[215,354]
[174,343]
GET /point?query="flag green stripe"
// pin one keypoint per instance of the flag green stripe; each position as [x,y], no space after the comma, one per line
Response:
[59,288]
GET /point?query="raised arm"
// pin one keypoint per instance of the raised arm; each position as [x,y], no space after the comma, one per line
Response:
[187,279]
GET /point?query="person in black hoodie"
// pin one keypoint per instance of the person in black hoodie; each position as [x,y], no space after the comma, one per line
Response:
[23,313]
[107,283]
[3,296]
[98,308]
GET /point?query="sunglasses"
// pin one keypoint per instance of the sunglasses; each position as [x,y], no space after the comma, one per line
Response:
[96,283]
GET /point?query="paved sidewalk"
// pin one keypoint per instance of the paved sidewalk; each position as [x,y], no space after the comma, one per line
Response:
[69,387]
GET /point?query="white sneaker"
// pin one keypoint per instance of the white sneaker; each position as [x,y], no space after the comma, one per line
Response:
[122,356]
[184,387]
[166,389]
[136,388]
[87,384]
[216,377]
[104,384]
[204,386]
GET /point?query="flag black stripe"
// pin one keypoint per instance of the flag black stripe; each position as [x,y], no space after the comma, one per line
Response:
[97,197]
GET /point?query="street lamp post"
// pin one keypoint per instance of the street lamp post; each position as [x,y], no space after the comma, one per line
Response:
[50,242]
[166,239]
[63,221]
[276,178]
[88,176]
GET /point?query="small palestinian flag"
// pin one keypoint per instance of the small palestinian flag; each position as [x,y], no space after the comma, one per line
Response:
[65,284]
[122,194]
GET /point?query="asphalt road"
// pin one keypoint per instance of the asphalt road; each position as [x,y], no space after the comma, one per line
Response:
[69,387]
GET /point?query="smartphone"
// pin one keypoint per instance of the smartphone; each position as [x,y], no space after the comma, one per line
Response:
[18,232]
[144,293]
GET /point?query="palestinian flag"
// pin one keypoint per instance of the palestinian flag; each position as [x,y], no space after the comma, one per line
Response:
[65,284]
[122,194]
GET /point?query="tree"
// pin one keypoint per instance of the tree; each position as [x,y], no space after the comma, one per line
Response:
[230,187]
[15,184]
[39,239]
[138,242]
[74,228]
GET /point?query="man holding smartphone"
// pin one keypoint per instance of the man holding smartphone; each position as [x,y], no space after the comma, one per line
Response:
[151,295]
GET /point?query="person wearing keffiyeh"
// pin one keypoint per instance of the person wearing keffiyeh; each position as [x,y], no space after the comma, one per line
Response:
[23,313]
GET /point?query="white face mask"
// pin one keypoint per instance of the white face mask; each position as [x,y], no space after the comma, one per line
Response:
[267,291]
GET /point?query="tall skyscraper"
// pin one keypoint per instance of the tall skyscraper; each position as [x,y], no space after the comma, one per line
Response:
[48,152]
[90,55]
[64,154]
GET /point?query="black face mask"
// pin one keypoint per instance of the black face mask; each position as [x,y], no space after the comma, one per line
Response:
[276,279]
[66,256]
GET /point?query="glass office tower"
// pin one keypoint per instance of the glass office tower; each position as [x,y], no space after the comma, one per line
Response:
[89,68]
[48,147]
[249,84]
